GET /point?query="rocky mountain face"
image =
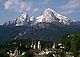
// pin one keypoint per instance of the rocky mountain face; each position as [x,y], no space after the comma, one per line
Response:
[52,17]
[48,26]
[22,20]
[48,15]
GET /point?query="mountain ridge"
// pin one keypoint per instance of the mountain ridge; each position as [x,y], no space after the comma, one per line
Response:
[48,15]
[49,27]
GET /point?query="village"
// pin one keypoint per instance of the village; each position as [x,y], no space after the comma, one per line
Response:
[36,49]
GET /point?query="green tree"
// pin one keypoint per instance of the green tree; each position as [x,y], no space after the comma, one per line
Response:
[49,55]
[3,53]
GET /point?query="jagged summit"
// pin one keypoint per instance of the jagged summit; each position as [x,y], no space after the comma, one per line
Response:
[48,26]
[49,9]
[22,19]
[49,15]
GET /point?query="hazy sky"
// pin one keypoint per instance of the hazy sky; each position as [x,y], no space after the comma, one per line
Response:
[11,9]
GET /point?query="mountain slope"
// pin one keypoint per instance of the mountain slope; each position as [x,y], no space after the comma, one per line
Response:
[51,16]
[22,20]
[49,26]
[48,15]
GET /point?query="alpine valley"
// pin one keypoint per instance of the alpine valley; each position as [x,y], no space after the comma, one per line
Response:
[49,26]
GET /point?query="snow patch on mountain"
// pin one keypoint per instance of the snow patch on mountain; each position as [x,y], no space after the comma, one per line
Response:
[48,15]
[51,16]
[22,20]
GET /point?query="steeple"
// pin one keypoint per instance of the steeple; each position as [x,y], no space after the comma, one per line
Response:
[34,45]
[39,45]
[53,46]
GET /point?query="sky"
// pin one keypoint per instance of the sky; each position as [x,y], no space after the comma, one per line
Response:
[11,9]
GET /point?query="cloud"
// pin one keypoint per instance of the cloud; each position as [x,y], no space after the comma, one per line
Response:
[70,6]
[17,5]
[35,9]
[45,1]
[67,12]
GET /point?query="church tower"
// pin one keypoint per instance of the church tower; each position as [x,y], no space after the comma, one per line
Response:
[53,46]
[34,45]
[39,45]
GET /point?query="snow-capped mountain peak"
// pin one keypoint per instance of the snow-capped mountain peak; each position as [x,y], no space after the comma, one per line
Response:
[23,16]
[22,19]
[47,16]
[49,10]
[51,16]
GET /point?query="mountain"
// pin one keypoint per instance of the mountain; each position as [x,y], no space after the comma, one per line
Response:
[48,26]
[48,15]
[51,16]
[22,20]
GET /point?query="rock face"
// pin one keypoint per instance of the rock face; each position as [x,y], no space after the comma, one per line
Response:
[22,20]
[48,15]
[51,16]
[48,26]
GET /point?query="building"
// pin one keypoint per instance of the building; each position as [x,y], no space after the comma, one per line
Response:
[36,45]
